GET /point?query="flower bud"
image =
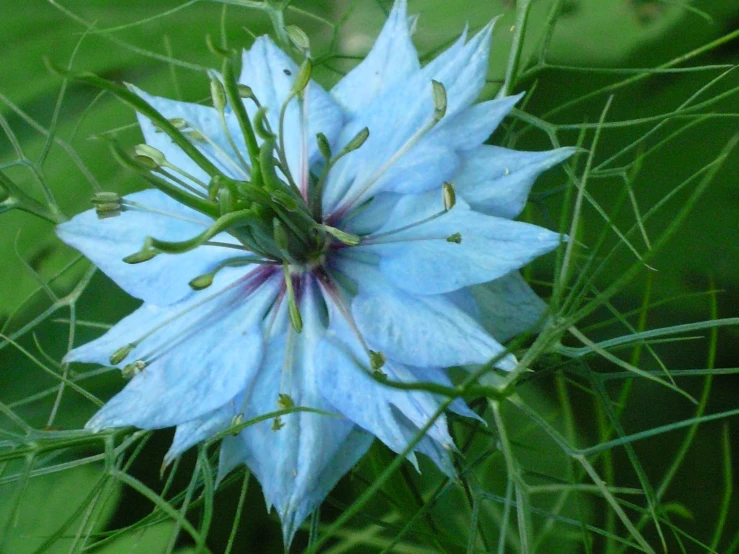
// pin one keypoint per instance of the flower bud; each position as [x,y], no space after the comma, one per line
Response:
[456,238]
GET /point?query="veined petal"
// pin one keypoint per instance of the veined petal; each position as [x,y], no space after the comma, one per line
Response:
[440,376]
[401,155]
[462,69]
[425,331]
[421,260]
[392,415]
[474,125]
[199,359]
[271,73]
[497,181]
[163,279]
[202,120]
[390,61]
[296,464]
[191,432]
[508,306]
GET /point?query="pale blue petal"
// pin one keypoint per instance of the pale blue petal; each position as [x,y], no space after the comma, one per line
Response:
[420,260]
[436,157]
[462,69]
[426,331]
[371,215]
[271,73]
[295,464]
[440,376]
[497,181]
[192,432]
[396,158]
[508,306]
[474,125]
[343,458]
[393,416]
[163,279]
[204,119]
[391,60]
[200,360]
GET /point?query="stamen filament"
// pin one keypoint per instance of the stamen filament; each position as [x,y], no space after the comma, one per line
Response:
[223,156]
[155,354]
[130,204]
[185,174]
[183,184]
[439,112]
[372,239]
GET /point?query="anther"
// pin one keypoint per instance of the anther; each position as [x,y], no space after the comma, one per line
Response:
[285,401]
[143,255]
[245,91]
[357,142]
[303,77]
[440,101]
[107,204]
[150,156]
[342,236]
[236,421]
[119,355]
[202,281]
[217,94]
[298,37]
[449,196]
[323,146]
[133,369]
[377,360]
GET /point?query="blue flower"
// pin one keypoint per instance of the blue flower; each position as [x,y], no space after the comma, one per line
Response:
[288,274]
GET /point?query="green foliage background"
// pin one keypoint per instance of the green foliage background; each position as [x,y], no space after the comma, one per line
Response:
[603,47]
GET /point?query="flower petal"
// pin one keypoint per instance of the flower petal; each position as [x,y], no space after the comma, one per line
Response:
[271,73]
[201,119]
[297,465]
[462,69]
[496,181]
[508,306]
[403,154]
[390,61]
[421,260]
[200,359]
[163,279]
[353,391]
[393,416]
[190,433]
[425,331]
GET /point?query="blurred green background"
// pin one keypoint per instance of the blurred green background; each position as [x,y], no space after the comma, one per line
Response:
[599,35]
